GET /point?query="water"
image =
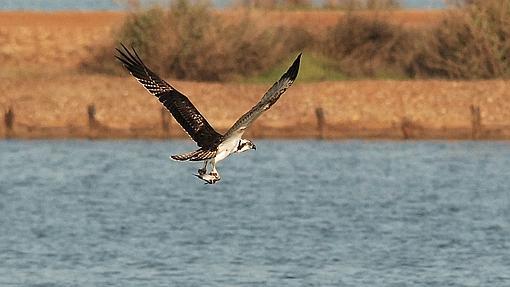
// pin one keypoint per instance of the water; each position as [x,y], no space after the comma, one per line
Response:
[49,5]
[291,213]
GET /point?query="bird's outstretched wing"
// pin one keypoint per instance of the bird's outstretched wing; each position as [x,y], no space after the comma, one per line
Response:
[269,98]
[178,104]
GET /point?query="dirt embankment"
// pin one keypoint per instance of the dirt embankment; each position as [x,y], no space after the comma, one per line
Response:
[43,96]
[358,109]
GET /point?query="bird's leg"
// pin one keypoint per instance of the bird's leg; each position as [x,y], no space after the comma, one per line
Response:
[210,178]
[214,172]
[203,170]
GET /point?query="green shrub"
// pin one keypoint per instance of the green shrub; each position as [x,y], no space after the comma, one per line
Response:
[192,41]
[368,47]
[189,41]
[362,4]
[142,30]
[471,43]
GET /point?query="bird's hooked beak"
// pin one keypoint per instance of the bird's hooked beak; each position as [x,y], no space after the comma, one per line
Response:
[254,147]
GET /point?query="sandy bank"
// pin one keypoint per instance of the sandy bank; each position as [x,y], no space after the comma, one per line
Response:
[58,107]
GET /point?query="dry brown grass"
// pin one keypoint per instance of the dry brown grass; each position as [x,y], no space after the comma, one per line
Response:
[52,41]
[42,42]
[189,41]
[371,46]
[471,43]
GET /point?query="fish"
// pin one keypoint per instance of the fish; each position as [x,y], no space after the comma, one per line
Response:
[208,178]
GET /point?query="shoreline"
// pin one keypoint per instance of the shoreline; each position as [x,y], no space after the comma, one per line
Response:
[101,107]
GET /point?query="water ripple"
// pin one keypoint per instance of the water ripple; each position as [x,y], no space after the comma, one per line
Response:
[293,213]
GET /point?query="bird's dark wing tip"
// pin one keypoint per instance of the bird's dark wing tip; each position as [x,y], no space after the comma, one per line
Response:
[294,69]
[122,54]
[124,49]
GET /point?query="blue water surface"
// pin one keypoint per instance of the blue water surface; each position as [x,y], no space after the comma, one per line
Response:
[51,5]
[291,213]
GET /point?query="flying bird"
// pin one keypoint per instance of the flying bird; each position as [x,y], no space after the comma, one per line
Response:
[213,146]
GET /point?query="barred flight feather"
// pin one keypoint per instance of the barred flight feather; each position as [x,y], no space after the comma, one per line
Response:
[268,100]
[197,155]
[184,112]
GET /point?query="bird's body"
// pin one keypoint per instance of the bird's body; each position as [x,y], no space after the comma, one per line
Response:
[214,147]
[226,148]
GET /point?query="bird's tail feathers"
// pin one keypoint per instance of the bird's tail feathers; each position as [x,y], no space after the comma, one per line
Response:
[197,155]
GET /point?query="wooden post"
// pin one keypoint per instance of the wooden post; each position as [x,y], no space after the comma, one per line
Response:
[476,122]
[91,111]
[9,119]
[405,126]
[165,120]
[9,122]
[321,122]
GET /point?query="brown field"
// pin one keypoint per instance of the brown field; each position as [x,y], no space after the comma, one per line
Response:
[37,42]
[34,41]
[40,84]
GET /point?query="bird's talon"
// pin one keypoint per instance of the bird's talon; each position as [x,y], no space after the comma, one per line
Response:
[208,178]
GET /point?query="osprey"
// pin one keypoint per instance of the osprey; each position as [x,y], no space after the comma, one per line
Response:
[213,146]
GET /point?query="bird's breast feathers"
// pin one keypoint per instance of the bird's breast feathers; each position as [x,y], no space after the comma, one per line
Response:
[227,147]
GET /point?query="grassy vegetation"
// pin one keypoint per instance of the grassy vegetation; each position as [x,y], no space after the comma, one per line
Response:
[314,68]
[369,47]
[471,43]
[189,41]
[362,4]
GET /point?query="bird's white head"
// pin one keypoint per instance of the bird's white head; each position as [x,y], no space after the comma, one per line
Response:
[245,145]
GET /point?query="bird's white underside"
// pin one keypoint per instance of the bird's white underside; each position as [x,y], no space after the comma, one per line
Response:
[227,147]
